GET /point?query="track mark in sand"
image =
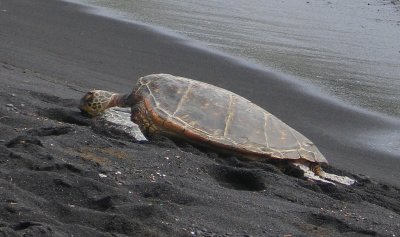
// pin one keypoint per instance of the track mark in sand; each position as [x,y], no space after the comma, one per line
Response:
[24,141]
[238,178]
[55,100]
[326,223]
[60,167]
[65,115]
[50,131]
[165,192]
[25,224]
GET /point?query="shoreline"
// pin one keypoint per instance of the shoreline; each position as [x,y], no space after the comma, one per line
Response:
[60,174]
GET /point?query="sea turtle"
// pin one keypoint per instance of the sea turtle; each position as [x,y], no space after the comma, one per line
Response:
[212,117]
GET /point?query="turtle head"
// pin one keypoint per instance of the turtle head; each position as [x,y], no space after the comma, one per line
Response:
[96,101]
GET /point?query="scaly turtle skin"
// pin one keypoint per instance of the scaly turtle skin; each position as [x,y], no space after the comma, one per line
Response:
[213,117]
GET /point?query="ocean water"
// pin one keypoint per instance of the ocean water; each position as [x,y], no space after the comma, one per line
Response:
[348,49]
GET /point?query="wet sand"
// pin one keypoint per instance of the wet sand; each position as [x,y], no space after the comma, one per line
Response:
[59,175]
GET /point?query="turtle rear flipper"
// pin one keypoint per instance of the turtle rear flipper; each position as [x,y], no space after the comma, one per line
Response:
[337,178]
[317,174]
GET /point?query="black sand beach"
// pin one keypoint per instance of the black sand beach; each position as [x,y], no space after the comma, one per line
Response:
[60,176]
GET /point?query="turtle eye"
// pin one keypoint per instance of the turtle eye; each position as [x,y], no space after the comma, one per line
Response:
[89,95]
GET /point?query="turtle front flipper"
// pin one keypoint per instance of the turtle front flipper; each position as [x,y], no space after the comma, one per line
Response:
[145,117]
[315,172]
